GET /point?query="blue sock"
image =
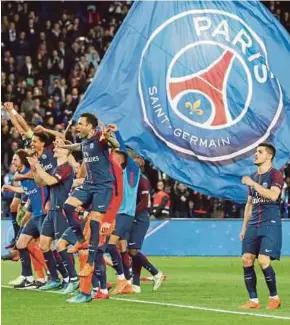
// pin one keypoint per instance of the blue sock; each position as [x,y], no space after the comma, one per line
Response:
[142,259]
[270,279]
[116,259]
[25,262]
[51,265]
[68,264]
[251,281]
[126,265]
[59,264]
[19,233]
[73,222]
[14,224]
[100,270]
[95,280]
[94,240]
[136,269]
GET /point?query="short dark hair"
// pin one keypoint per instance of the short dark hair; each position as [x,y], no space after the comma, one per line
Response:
[42,138]
[22,154]
[270,149]
[91,118]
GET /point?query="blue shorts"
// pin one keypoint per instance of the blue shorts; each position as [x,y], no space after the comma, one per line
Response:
[138,231]
[17,196]
[24,199]
[21,196]
[123,225]
[54,225]
[69,236]
[265,240]
[33,226]
[98,196]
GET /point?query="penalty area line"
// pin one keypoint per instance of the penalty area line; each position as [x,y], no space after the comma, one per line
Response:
[156,303]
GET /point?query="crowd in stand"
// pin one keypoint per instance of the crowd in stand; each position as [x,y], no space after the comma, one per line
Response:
[50,54]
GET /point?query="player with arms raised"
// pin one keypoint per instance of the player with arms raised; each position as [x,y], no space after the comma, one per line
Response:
[97,188]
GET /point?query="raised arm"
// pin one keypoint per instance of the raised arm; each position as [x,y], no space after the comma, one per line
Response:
[113,142]
[12,113]
[109,136]
[24,126]
[41,129]
[72,147]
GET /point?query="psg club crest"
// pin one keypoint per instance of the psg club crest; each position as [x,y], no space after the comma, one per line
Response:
[202,77]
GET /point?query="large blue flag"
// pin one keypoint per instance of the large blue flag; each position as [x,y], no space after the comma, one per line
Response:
[195,87]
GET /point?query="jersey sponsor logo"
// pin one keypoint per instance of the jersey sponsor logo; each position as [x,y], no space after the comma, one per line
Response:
[30,192]
[47,167]
[91,159]
[199,108]
[260,199]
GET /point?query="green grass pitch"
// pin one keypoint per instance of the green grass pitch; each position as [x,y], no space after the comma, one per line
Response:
[214,283]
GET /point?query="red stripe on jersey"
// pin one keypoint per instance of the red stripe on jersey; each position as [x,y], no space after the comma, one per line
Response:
[259,209]
[132,178]
[117,196]
[42,200]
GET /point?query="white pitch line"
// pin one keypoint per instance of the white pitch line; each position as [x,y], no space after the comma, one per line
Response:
[177,306]
[156,229]
[202,308]
[49,291]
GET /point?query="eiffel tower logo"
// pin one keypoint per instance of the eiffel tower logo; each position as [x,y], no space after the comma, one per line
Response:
[211,83]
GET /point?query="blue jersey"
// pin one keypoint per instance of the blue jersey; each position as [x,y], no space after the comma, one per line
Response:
[97,162]
[265,211]
[143,195]
[131,178]
[37,195]
[64,174]
[47,161]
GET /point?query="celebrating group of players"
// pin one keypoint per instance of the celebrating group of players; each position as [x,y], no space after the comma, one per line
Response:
[101,208]
[98,209]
